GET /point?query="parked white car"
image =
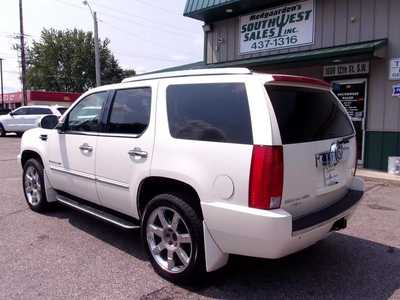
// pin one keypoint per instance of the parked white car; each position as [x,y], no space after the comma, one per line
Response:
[208,163]
[27,117]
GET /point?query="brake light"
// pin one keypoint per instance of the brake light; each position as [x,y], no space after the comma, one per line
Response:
[266,177]
[300,79]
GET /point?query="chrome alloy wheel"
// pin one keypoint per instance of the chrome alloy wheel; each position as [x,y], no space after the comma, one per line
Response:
[33,188]
[169,240]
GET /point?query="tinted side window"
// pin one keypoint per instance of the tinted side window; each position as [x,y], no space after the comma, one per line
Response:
[62,110]
[85,115]
[217,112]
[130,112]
[306,114]
[39,111]
[20,111]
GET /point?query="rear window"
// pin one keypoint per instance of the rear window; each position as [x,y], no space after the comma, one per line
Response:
[215,112]
[306,114]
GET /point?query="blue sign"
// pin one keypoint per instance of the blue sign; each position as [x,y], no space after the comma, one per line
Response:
[396,90]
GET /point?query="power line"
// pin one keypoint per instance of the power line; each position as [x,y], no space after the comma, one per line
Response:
[145,56]
[157,7]
[175,33]
[143,18]
[138,38]
[152,5]
[9,71]
[117,17]
[132,16]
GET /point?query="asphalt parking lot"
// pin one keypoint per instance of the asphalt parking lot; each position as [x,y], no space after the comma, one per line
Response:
[65,254]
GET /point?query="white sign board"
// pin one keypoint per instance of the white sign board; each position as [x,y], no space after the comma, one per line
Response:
[394,72]
[286,26]
[396,90]
[346,69]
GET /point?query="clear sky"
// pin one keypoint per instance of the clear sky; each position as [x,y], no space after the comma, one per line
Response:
[145,34]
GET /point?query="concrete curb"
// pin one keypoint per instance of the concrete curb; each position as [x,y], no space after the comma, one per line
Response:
[378,176]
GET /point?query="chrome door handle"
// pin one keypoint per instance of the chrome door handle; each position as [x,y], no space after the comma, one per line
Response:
[86,147]
[138,152]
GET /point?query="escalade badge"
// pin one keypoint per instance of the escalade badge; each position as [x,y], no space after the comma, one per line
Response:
[330,158]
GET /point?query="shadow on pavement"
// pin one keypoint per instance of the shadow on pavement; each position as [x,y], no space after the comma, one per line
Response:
[128,241]
[340,267]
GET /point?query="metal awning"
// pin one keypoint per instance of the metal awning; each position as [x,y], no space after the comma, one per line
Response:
[213,10]
[365,49]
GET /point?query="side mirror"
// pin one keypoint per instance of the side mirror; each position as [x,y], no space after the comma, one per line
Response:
[60,127]
[48,122]
[11,113]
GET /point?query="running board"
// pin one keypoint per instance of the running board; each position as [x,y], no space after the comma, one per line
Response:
[105,216]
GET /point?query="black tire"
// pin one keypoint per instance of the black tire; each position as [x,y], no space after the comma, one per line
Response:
[2,131]
[19,134]
[40,205]
[196,266]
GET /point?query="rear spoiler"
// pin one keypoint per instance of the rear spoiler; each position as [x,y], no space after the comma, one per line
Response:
[301,79]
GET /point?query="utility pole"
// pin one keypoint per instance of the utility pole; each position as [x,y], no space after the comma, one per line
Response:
[23,60]
[1,83]
[96,43]
[96,49]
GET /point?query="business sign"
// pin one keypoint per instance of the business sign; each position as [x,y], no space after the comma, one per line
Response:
[346,69]
[396,90]
[394,72]
[13,97]
[352,96]
[290,25]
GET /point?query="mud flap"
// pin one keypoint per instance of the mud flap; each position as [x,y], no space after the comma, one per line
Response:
[50,193]
[358,184]
[215,258]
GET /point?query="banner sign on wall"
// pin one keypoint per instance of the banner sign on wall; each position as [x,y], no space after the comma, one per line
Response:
[396,90]
[346,69]
[352,96]
[280,27]
[394,69]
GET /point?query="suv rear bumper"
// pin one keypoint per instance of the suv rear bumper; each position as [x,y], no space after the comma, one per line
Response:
[273,234]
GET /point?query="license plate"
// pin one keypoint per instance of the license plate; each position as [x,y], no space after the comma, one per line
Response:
[331,176]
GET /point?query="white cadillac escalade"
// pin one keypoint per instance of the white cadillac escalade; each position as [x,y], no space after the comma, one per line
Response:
[208,163]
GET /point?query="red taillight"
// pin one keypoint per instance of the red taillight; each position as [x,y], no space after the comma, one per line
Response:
[300,79]
[266,177]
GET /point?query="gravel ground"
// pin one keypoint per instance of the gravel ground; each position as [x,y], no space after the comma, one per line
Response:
[64,254]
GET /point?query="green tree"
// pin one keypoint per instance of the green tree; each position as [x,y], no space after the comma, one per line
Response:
[64,61]
[129,73]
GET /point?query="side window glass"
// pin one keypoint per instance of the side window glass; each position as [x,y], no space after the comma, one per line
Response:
[85,115]
[39,111]
[215,112]
[130,112]
[20,111]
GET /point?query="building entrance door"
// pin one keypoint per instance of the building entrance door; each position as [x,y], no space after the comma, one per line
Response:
[353,95]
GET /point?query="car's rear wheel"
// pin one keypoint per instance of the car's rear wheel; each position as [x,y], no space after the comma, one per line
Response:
[173,238]
[2,131]
[33,184]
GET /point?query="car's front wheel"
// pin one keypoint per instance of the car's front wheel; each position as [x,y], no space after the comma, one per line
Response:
[33,184]
[173,238]
[2,131]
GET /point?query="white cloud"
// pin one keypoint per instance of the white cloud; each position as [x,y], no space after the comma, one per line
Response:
[143,37]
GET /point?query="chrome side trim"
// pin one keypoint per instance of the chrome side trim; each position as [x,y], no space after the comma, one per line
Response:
[74,173]
[96,213]
[91,177]
[112,182]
